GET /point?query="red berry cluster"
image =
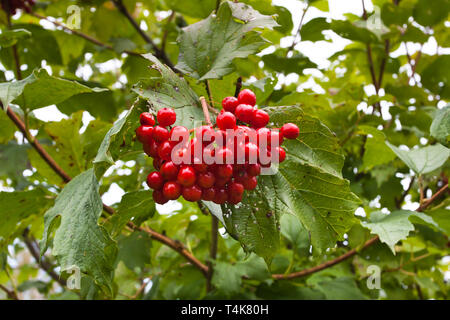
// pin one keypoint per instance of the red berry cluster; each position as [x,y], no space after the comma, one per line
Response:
[13,5]
[219,162]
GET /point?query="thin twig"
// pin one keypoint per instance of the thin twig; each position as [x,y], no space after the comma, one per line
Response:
[217,5]
[429,201]
[294,42]
[238,86]
[10,293]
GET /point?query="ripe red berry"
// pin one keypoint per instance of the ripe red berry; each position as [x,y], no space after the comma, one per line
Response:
[165,150]
[186,176]
[200,167]
[250,183]
[290,131]
[206,180]
[166,117]
[260,119]
[247,96]
[178,134]
[251,152]
[147,119]
[229,104]
[221,182]
[275,136]
[208,194]
[159,197]
[157,163]
[160,134]
[155,180]
[192,193]
[144,134]
[171,190]
[244,112]
[221,196]
[281,154]
[226,120]
[169,170]
[224,171]
[254,170]
[235,188]
[224,155]
[151,149]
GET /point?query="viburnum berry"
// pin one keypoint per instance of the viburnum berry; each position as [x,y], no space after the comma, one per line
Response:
[186,176]
[160,134]
[159,197]
[254,170]
[260,119]
[147,119]
[224,171]
[290,131]
[208,194]
[206,180]
[229,104]
[169,170]
[247,96]
[171,190]
[281,154]
[155,180]
[244,112]
[144,133]
[166,117]
[221,196]
[165,150]
[226,120]
[178,134]
[192,193]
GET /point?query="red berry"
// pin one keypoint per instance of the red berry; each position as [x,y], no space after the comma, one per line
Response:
[151,149]
[159,197]
[160,134]
[234,198]
[208,194]
[251,152]
[244,112]
[235,188]
[260,119]
[186,176]
[157,163]
[192,193]
[290,131]
[166,117]
[254,170]
[224,155]
[247,96]
[229,104]
[178,134]
[144,134]
[281,154]
[275,136]
[221,182]
[205,134]
[206,180]
[224,171]
[169,170]
[147,119]
[172,190]
[226,120]
[155,180]
[165,150]
[200,167]
[221,196]
[250,183]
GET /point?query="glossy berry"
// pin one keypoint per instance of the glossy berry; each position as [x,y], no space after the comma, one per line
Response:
[169,170]
[206,180]
[290,131]
[244,112]
[235,188]
[147,119]
[226,120]
[165,150]
[281,154]
[224,171]
[250,183]
[186,176]
[254,170]
[166,117]
[155,180]
[208,194]
[159,197]
[171,190]
[160,134]
[192,193]
[221,196]
[178,134]
[260,119]
[144,134]
[151,149]
[276,136]
[229,104]
[247,96]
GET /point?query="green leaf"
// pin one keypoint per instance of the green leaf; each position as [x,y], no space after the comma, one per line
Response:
[341,289]
[352,32]
[309,183]
[169,90]
[278,61]
[40,90]
[396,226]
[312,30]
[295,232]
[428,13]
[208,47]
[13,161]
[227,278]
[9,38]
[79,241]
[137,206]
[7,128]
[134,250]
[396,13]
[423,160]
[436,76]
[319,4]
[119,141]
[196,9]
[376,151]
[440,127]
[16,208]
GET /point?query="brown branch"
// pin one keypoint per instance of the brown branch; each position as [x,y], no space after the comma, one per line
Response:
[33,247]
[161,54]
[82,35]
[10,293]
[326,264]
[238,86]
[387,46]
[429,201]
[398,201]
[294,42]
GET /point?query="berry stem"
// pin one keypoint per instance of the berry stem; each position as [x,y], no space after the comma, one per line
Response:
[205,111]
